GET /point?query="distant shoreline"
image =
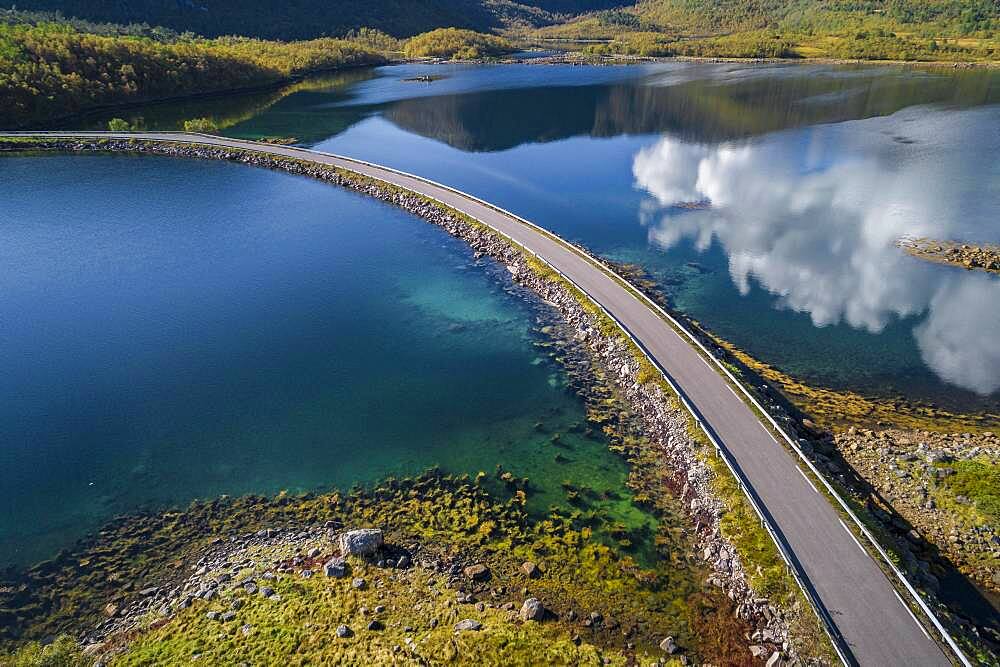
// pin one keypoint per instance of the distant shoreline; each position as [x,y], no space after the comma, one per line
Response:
[564,58]
[567,57]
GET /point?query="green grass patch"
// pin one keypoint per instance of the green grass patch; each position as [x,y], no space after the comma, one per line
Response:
[978,480]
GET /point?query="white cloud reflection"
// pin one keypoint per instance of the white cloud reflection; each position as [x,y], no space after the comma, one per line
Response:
[813,217]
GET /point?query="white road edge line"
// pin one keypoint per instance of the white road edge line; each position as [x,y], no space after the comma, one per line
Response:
[910,612]
[848,530]
[806,477]
[769,434]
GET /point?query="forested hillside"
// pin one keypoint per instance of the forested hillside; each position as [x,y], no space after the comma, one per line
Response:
[304,19]
[52,70]
[959,30]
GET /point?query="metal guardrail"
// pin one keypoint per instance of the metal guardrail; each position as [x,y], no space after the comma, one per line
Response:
[744,484]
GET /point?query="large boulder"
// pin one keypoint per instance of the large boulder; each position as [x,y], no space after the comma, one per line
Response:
[361,542]
[532,610]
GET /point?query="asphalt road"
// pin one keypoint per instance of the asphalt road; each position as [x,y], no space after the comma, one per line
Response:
[873,621]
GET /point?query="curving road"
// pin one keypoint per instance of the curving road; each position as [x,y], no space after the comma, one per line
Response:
[876,628]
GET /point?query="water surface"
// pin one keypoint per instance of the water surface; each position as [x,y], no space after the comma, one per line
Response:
[766,200]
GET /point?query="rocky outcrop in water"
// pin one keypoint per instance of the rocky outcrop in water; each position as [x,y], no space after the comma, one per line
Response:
[965,255]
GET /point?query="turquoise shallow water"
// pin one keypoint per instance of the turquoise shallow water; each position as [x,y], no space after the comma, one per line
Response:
[178,329]
[803,177]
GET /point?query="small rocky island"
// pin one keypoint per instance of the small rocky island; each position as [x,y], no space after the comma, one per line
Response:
[956,253]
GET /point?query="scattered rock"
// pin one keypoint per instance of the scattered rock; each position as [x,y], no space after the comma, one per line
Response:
[336,568]
[468,624]
[358,583]
[343,631]
[669,646]
[477,572]
[530,569]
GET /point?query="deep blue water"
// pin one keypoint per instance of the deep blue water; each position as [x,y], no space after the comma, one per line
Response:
[177,329]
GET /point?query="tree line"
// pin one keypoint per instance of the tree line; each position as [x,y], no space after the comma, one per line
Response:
[48,70]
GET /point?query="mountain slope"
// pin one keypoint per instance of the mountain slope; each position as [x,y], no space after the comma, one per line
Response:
[304,19]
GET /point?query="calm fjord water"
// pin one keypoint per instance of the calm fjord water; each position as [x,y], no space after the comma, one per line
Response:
[175,329]
[766,200]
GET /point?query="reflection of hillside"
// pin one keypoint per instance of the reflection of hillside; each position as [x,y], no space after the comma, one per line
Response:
[704,110]
[256,114]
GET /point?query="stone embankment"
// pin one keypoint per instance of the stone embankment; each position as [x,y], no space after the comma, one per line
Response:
[665,422]
[968,256]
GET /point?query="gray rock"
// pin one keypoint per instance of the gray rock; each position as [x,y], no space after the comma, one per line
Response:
[468,624]
[669,646]
[305,574]
[532,610]
[343,631]
[250,587]
[312,553]
[477,572]
[358,583]
[227,616]
[376,625]
[336,568]
[361,542]
[267,591]
[530,569]
[212,615]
